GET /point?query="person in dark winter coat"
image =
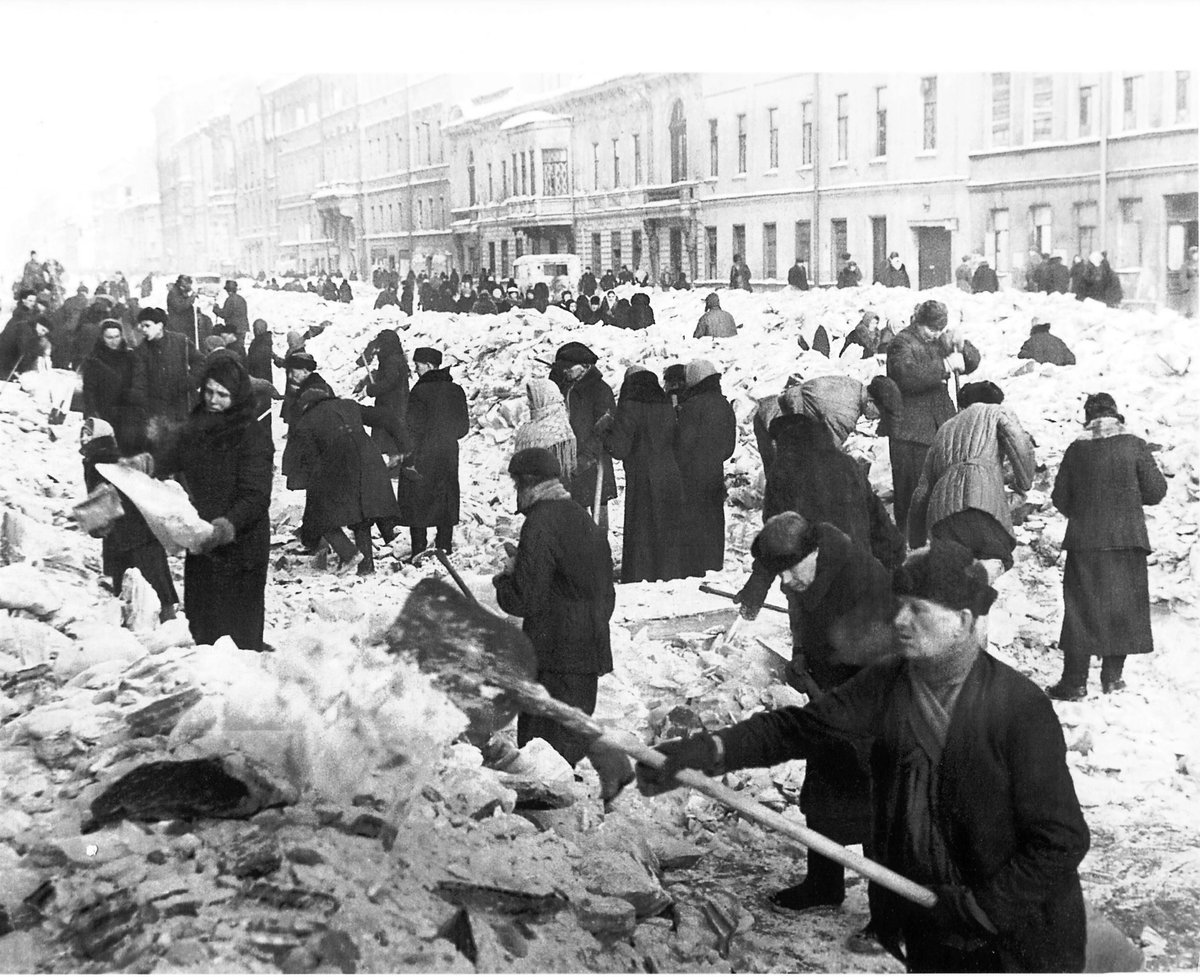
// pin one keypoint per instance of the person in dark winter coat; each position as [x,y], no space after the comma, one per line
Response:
[971,792]
[406,300]
[798,276]
[21,344]
[483,304]
[641,314]
[329,290]
[1105,479]
[181,305]
[962,274]
[234,312]
[63,325]
[560,583]
[344,292]
[641,433]
[260,356]
[620,314]
[1099,282]
[1056,277]
[343,475]
[840,603]
[705,439]
[588,398]
[437,420]
[850,274]
[107,385]
[1075,272]
[739,274]
[387,383]
[587,283]
[302,376]
[165,371]
[894,274]
[608,281]
[225,459]
[129,543]
[919,360]
[715,321]
[1042,347]
[387,297]
[984,279]
[87,330]
[960,494]
[585,312]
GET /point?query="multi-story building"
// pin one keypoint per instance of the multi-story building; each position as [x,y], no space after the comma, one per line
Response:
[126,222]
[1089,162]
[255,207]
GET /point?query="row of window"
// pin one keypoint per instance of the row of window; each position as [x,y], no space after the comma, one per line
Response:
[1127,251]
[385,153]
[615,255]
[425,216]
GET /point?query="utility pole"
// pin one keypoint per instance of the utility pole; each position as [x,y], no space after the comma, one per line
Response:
[408,130]
[1105,101]
[815,258]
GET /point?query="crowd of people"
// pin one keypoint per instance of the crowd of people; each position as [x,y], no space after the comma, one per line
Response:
[887,606]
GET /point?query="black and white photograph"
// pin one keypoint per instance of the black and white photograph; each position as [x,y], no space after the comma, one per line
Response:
[629,488]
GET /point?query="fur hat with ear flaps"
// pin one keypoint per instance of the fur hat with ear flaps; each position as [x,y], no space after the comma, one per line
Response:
[945,572]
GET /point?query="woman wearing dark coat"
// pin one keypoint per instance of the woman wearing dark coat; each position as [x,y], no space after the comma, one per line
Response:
[1078,267]
[1105,479]
[107,382]
[345,294]
[437,420]
[302,377]
[345,481]
[642,434]
[388,384]
[705,439]
[225,459]
[588,398]
[406,299]
[641,315]
[260,356]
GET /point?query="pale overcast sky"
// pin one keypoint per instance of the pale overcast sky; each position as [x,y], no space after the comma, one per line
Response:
[81,90]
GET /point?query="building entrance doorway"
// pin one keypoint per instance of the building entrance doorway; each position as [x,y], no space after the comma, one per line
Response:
[933,255]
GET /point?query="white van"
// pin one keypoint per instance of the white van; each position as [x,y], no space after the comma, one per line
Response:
[560,272]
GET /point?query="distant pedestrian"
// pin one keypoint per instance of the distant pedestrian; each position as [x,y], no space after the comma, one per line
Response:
[849,275]
[165,368]
[963,273]
[344,292]
[1042,347]
[1056,278]
[260,355]
[641,314]
[181,310]
[894,274]
[715,321]
[739,274]
[108,385]
[984,279]
[588,398]
[387,380]
[233,311]
[798,276]
[387,297]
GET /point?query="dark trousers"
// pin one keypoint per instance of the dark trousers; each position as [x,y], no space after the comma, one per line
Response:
[907,458]
[575,690]
[443,540]
[220,599]
[345,550]
[1075,668]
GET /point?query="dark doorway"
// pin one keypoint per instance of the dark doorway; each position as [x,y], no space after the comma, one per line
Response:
[879,251]
[933,253]
[676,250]
[838,232]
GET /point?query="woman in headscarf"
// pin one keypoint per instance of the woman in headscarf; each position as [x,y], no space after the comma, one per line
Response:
[642,435]
[107,378]
[387,383]
[224,459]
[1107,475]
[549,426]
[641,315]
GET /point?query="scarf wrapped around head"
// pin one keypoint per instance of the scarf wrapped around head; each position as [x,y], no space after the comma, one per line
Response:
[549,426]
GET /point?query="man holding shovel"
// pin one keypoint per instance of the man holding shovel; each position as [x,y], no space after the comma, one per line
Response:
[560,582]
[972,795]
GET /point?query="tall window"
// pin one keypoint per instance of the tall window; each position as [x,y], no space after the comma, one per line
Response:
[420,212]
[1131,98]
[616,165]
[520,243]
[739,240]
[595,166]
[532,175]
[881,121]
[492,256]
[504,179]
[615,239]
[470,177]
[803,240]
[635,247]
[1086,219]
[596,256]
[1041,228]
[838,238]
[554,173]
[1001,109]
[710,253]
[714,154]
[999,242]
[768,250]
[442,212]
[516,186]
[1129,244]
[504,258]
[491,195]
[1086,94]
[678,131]
[524,180]
[741,144]
[637,160]
[806,134]
[392,220]
[929,106]
[428,146]
[1182,80]
[843,127]
[772,139]
[1043,108]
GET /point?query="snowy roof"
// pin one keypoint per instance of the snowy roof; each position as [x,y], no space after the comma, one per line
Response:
[524,101]
[527,118]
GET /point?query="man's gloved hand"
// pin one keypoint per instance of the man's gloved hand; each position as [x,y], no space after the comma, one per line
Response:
[223,533]
[692,753]
[951,340]
[952,911]
[954,363]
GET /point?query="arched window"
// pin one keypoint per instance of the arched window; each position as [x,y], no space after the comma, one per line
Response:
[679,166]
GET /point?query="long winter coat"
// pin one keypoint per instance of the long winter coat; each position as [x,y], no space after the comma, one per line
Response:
[235,314]
[561,587]
[341,470]
[588,399]
[437,420]
[813,477]
[389,386]
[916,367]
[164,382]
[289,413]
[1057,277]
[641,314]
[894,277]
[705,439]
[984,279]
[20,346]
[964,469]
[260,356]
[180,317]
[107,386]
[643,437]
[1006,805]
[1045,348]
[717,323]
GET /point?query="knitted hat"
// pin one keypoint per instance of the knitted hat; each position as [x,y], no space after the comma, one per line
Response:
[945,572]
[712,301]
[299,360]
[931,314]
[152,314]
[534,461]
[886,395]
[698,370]
[980,392]
[785,540]
[1101,405]
[427,354]
[574,354]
